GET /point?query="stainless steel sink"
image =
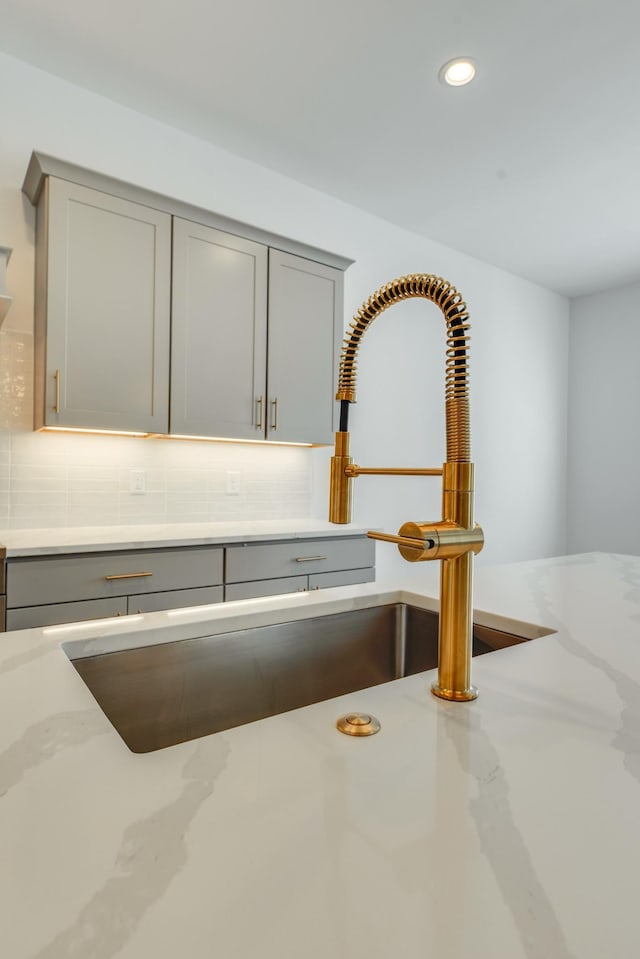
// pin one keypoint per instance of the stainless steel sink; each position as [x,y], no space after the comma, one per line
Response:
[160,695]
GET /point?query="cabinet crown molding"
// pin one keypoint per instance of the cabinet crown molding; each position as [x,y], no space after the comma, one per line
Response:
[42,165]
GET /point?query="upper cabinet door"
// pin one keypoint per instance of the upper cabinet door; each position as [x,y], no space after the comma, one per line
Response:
[102,311]
[219,330]
[305,331]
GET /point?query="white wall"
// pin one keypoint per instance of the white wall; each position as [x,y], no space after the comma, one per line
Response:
[604,461]
[518,354]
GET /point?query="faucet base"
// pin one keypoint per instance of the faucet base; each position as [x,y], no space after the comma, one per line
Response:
[454,695]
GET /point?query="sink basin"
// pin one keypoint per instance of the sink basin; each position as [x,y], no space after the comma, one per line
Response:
[160,695]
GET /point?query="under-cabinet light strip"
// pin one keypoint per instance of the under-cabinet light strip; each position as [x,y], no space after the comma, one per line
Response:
[223,439]
[78,429]
[168,436]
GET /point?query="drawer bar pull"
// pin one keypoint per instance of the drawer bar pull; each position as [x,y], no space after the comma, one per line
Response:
[127,575]
[309,559]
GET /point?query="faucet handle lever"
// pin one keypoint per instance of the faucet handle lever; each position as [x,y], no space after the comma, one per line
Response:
[409,542]
[412,548]
[442,540]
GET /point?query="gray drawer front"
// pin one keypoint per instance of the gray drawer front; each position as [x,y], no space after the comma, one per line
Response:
[57,613]
[175,599]
[272,560]
[56,579]
[347,577]
[266,587]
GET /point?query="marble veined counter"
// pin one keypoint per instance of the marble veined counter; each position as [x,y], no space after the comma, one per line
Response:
[506,828]
[85,539]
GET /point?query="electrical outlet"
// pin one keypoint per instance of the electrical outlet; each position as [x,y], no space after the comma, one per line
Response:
[137,482]
[233,483]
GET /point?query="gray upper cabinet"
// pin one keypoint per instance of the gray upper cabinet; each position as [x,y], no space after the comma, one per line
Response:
[219,333]
[154,316]
[305,330]
[102,311]
[247,363]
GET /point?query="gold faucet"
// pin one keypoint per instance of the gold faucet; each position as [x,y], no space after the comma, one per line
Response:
[454,539]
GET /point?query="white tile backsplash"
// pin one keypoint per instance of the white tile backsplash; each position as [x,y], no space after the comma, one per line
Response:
[65,479]
[4,508]
[44,479]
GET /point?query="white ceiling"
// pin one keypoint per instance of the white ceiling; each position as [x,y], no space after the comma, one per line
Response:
[533,167]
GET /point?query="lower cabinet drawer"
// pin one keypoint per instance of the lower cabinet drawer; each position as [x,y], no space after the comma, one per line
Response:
[175,599]
[57,613]
[54,614]
[266,587]
[272,560]
[296,584]
[344,577]
[59,579]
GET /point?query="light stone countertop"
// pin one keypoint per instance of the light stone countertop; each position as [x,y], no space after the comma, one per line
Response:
[85,539]
[506,828]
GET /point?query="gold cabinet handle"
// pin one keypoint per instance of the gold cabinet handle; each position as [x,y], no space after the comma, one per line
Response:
[126,575]
[274,421]
[56,375]
[259,404]
[308,559]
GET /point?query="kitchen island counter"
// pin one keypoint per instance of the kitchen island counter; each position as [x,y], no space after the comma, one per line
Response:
[504,828]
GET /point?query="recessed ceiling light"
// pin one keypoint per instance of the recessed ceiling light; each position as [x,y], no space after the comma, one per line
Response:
[457,72]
